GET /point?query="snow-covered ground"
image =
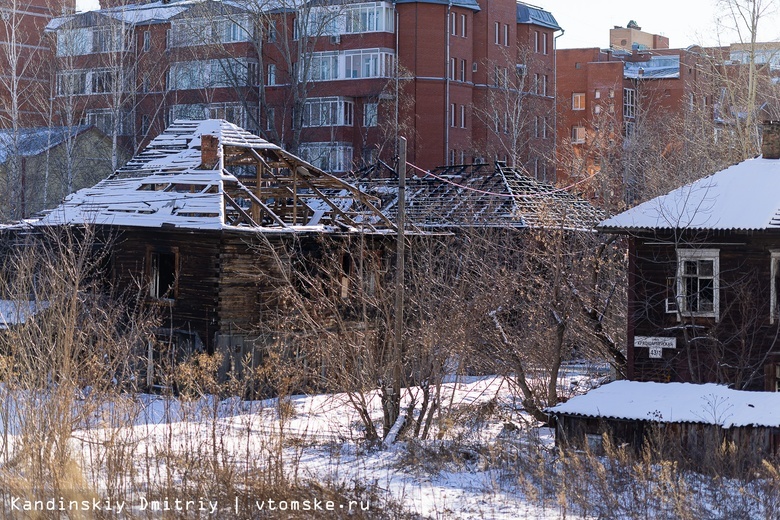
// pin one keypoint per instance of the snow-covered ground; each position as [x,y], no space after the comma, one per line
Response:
[450,475]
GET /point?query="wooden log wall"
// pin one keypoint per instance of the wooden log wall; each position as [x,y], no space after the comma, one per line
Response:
[729,350]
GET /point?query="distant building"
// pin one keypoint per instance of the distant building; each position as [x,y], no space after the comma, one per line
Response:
[476,80]
[50,163]
[633,38]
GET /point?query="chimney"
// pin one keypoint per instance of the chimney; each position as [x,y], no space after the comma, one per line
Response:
[770,140]
[209,151]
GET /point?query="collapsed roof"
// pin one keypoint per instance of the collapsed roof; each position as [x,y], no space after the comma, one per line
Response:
[481,195]
[214,175]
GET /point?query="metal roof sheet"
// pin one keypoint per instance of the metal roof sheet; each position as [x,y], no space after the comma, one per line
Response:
[745,196]
[675,403]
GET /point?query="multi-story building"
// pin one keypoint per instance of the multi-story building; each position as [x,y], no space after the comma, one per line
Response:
[24,60]
[464,81]
[603,94]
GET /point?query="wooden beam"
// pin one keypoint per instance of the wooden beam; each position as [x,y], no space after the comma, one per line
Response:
[276,218]
[240,210]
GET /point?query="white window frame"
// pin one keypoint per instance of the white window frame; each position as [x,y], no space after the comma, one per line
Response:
[463,116]
[687,255]
[578,101]
[629,103]
[577,134]
[147,41]
[271,78]
[328,112]
[498,30]
[370,114]
[463,31]
[328,156]
[774,273]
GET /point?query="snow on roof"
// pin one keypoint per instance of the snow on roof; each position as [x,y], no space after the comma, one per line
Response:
[155,12]
[657,67]
[745,196]
[35,141]
[168,185]
[676,403]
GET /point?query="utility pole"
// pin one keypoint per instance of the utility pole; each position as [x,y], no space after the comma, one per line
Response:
[395,398]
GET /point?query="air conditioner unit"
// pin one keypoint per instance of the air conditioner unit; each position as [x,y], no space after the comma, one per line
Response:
[335,39]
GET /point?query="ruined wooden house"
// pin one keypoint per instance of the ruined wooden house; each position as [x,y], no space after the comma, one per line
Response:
[207,221]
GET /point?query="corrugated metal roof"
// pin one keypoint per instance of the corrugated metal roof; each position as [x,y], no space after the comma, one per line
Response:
[745,196]
[536,16]
[675,403]
[35,141]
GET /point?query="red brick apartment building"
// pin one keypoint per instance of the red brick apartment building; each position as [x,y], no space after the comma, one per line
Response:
[602,91]
[24,60]
[475,80]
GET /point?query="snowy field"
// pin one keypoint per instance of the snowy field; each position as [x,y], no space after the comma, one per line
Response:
[319,439]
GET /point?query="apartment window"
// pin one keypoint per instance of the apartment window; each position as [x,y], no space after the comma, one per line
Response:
[144,124]
[544,43]
[328,111]
[188,32]
[453,154]
[774,286]
[147,41]
[272,33]
[578,101]
[104,120]
[536,85]
[597,94]
[544,84]
[506,35]
[74,42]
[146,83]
[271,74]
[452,115]
[597,109]
[370,113]
[162,274]
[270,116]
[107,39]
[498,30]
[463,70]
[463,32]
[453,24]
[234,112]
[102,81]
[453,65]
[72,82]
[370,17]
[629,103]
[537,125]
[697,282]
[536,41]
[330,157]
[209,74]
[544,128]
[368,63]
[463,116]
[577,134]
